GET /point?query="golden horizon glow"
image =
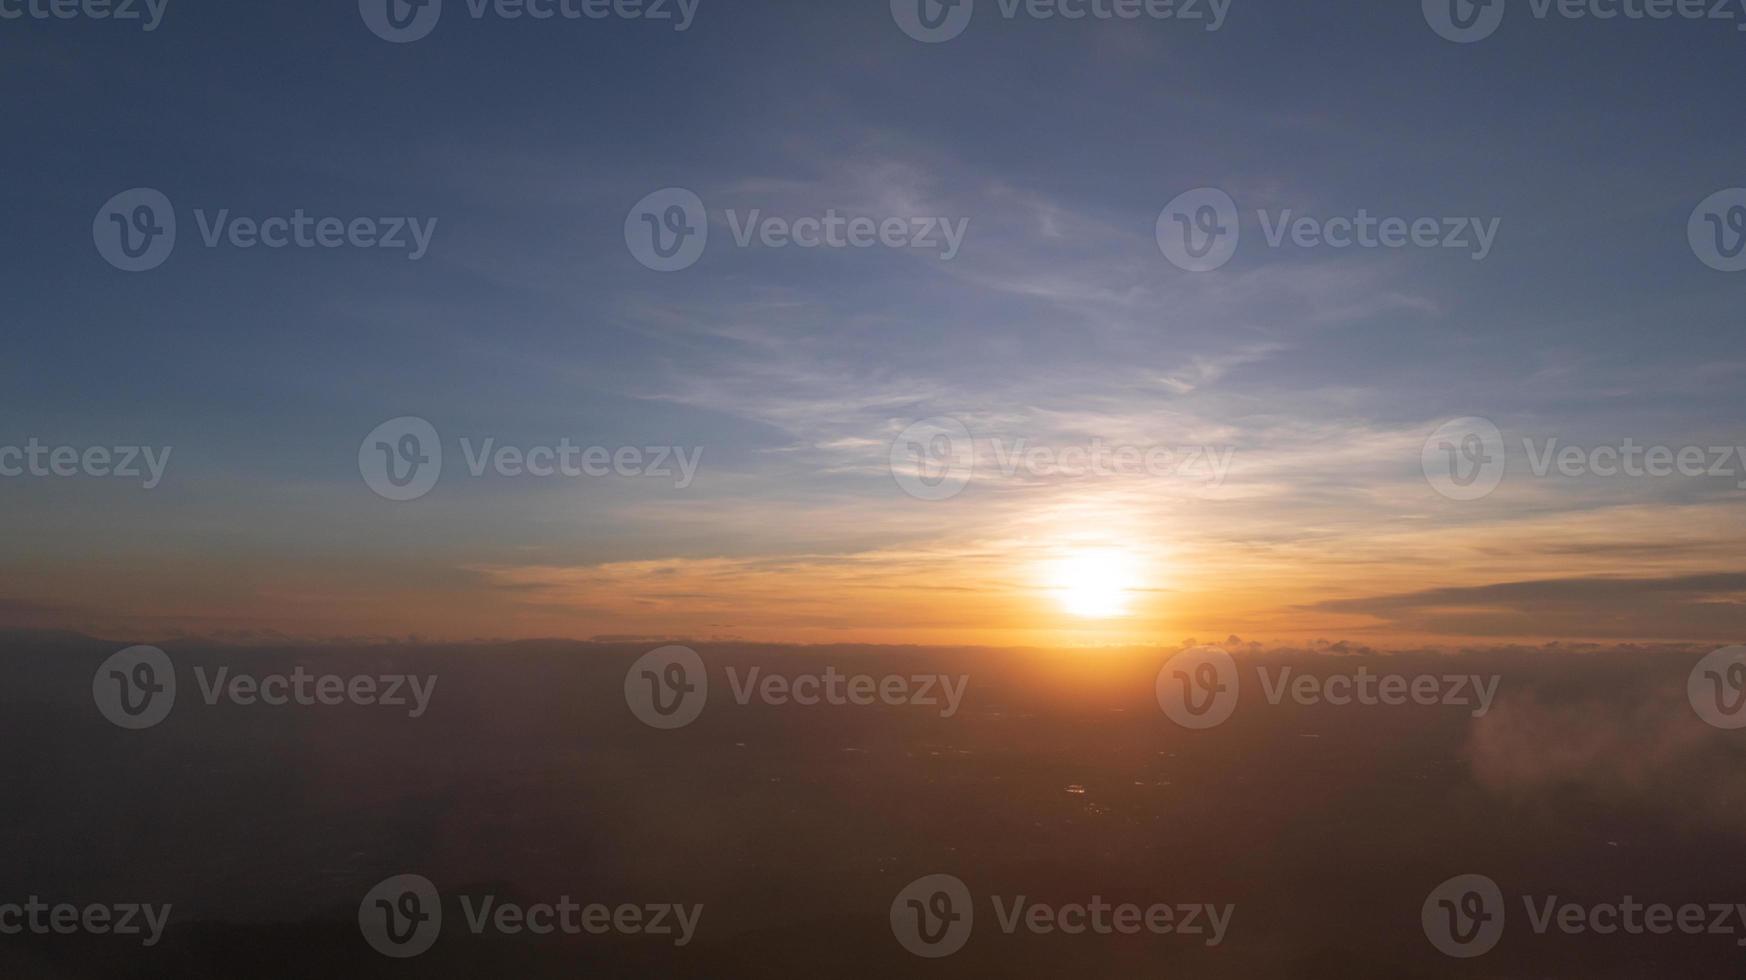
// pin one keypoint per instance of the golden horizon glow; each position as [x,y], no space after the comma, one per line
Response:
[1008,577]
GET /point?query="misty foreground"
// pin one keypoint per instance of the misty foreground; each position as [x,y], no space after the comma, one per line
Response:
[527,778]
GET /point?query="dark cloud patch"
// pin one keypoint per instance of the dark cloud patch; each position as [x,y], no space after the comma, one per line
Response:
[1707,607]
[26,614]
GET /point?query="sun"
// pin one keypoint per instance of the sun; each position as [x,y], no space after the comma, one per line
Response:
[1093,583]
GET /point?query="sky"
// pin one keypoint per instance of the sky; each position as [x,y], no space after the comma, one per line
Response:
[1299,396]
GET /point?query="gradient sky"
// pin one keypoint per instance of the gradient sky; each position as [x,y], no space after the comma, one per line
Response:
[1060,322]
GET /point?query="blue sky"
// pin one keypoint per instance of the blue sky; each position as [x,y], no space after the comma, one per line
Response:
[1060,321]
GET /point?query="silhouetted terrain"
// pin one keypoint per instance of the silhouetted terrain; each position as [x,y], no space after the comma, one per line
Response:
[529,778]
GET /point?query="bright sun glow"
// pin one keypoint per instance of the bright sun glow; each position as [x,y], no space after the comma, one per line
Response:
[1094,584]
